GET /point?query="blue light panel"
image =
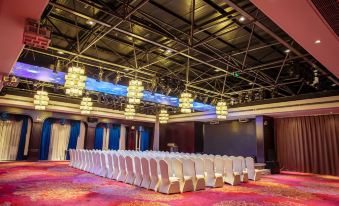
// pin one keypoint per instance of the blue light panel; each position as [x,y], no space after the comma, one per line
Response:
[47,75]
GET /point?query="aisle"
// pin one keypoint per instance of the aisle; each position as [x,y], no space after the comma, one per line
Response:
[54,183]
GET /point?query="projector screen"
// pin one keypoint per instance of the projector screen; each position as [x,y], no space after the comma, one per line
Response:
[230,138]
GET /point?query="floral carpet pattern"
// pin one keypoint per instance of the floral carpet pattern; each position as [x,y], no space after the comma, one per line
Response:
[54,183]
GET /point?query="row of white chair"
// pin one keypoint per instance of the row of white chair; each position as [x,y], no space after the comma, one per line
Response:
[160,171]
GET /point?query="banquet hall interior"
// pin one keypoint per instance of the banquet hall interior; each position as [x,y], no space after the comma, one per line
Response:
[169,102]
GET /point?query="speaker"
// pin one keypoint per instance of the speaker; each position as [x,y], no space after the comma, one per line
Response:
[92,119]
[273,166]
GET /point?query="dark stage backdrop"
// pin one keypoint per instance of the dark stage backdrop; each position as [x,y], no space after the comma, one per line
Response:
[230,138]
[308,144]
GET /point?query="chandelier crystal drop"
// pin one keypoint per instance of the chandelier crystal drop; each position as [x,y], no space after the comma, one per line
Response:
[129,111]
[75,81]
[135,91]
[41,100]
[185,102]
[86,105]
[221,110]
[163,116]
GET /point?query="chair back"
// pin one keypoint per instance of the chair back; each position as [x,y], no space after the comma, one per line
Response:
[145,166]
[199,166]
[164,170]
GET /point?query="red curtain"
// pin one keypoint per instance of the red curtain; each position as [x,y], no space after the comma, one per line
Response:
[308,144]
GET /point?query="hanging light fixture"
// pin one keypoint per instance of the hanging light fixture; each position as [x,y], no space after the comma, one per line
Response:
[221,110]
[129,111]
[163,116]
[135,91]
[86,105]
[75,81]
[41,100]
[185,102]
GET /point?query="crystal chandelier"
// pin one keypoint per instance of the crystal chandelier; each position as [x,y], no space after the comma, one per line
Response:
[221,110]
[41,100]
[86,105]
[75,81]
[185,102]
[135,91]
[129,111]
[163,116]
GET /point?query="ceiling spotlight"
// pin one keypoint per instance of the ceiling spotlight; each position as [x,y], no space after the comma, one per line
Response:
[60,52]
[317,41]
[168,51]
[90,22]
[287,51]
[241,19]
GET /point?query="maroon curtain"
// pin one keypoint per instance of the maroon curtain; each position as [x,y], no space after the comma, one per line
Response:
[308,144]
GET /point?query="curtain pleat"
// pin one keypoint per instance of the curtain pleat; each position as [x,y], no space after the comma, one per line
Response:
[59,141]
[22,139]
[114,137]
[145,139]
[45,139]
[98,139]
[73,136]
[81,139]
[122,139]
[10,131]
[308,144]
[28,136]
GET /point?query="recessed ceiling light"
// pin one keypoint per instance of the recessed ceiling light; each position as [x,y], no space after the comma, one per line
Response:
[287,51]
[241,19]
[60,52]
[90,22]
[317,41]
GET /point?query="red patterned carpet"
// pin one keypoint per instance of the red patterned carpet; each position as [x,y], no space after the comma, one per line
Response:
[54,183]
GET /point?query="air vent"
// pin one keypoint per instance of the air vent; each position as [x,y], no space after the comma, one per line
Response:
[329,10]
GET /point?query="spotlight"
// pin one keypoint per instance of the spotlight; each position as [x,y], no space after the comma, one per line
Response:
[60,52]
[287,51]
[242,19]
[205,100]
[117,79]
[317,41]
[90,22]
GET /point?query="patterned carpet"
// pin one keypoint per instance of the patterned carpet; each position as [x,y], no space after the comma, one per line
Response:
[54,183]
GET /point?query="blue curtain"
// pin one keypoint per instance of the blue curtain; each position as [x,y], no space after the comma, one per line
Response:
[45,139]
[114,137]
[73,137]
[98,139]
[145,139]
[22,141]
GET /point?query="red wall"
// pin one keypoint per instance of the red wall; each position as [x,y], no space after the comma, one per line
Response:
[184,134]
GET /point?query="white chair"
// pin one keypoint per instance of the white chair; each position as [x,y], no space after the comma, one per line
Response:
[122,169]
[253,174]
[92,161]
[229,176]
[115,167]
[71,158]
[186,183]
[110,165]
[154,175]
[146,178]
[212,179]
[237,168]
[189,173]
[138,173]
[82,159]
[168,185]
[97,170]
[130,171]
[219,165]
[103,160]
[200,174]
